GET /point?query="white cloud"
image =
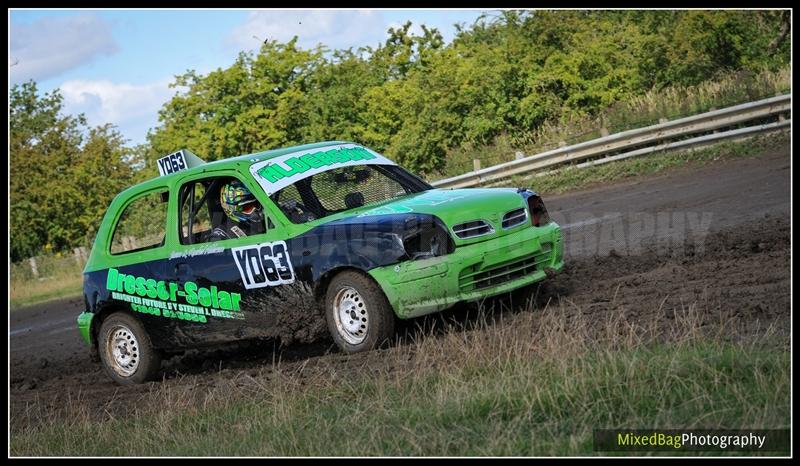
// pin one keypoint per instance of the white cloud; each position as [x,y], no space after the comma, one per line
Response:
[335,29]
[133,108]
[50,46]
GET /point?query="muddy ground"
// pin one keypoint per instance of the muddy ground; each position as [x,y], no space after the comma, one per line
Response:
[714,238]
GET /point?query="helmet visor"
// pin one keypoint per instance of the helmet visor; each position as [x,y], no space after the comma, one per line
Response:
[249,208]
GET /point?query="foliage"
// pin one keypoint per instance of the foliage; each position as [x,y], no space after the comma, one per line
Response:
[415,98]
[504,80]
[63,174]
[642,110]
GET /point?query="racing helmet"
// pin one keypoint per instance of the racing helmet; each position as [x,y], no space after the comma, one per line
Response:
[239,204]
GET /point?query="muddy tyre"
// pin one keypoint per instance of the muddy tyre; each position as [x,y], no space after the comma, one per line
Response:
[359,316]
[126,352]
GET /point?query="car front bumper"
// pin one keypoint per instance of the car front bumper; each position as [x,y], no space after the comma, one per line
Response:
[472,272]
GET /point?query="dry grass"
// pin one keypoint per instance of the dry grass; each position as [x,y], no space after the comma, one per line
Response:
[58,277]
[530,383]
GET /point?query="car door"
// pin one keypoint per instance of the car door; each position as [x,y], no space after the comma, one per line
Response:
[229,282]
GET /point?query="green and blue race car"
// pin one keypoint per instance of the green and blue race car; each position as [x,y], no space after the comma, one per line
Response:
[211,253]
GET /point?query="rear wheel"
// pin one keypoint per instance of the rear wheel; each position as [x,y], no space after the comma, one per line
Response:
[126,351]
[359,316]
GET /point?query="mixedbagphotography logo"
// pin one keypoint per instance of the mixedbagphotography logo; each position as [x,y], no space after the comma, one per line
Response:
[775,440]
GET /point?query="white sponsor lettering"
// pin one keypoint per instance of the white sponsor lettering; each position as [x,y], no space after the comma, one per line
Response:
[265,264]
[172,163]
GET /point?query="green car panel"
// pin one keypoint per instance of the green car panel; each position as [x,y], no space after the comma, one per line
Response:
[426,286]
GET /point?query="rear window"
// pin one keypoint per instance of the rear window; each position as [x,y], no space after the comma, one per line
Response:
[142,224]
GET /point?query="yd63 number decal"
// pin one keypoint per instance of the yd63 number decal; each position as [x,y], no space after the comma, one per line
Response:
[265,264]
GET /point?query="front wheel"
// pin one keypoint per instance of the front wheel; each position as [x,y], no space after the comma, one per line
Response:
[126,351]
[359,316]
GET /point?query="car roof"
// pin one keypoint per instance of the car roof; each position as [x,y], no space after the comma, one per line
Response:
[247,159]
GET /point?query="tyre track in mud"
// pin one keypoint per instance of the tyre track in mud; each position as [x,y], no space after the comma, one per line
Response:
[734,267]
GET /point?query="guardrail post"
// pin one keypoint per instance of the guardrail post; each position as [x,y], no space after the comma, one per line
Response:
[781,117]
[604,131]
[519,155]
[562,143]
[476,164]
[663,120]
[34,269]
[80,254]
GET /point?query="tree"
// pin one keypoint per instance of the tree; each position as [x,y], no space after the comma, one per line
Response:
[417,99]
[413,97]
[258,103]
[61,180]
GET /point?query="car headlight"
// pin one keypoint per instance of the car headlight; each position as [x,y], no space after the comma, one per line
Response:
[430,240]
[536,208]
[539,215]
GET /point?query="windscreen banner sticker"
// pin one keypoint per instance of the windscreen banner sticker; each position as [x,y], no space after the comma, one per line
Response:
[171,300]
[265,264]
[277,173]
[172,163]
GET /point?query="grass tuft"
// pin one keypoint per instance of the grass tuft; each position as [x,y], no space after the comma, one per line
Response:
[531,383]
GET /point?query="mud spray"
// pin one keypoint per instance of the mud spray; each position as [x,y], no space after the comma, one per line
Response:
[294,314]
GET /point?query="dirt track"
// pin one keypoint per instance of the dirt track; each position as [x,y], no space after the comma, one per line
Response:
[716,237]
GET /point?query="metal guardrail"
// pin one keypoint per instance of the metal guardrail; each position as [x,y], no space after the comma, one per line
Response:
[617,143]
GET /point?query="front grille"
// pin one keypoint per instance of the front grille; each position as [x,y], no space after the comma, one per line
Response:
[514,218]
[472,279]
[472,229]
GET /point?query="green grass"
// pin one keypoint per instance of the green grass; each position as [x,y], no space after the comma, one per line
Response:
[64,290]
[536,387]
[57,276]
[518,408]
[672,103]
[25,293]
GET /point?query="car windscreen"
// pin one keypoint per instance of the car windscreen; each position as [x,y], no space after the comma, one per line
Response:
[345,188]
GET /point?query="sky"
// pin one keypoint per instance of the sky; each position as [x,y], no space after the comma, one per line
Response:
[115,66]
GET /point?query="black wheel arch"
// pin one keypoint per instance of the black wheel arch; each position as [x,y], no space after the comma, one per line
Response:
[102,315]
[325,280]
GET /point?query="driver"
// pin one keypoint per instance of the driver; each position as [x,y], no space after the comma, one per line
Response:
[244,213]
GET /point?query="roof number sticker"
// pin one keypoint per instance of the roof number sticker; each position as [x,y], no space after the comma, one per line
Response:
[172,163]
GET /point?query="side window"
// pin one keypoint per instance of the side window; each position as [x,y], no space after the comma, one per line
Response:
[204,219]
[142,224]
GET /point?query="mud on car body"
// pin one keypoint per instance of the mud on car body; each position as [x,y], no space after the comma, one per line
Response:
[342,227]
